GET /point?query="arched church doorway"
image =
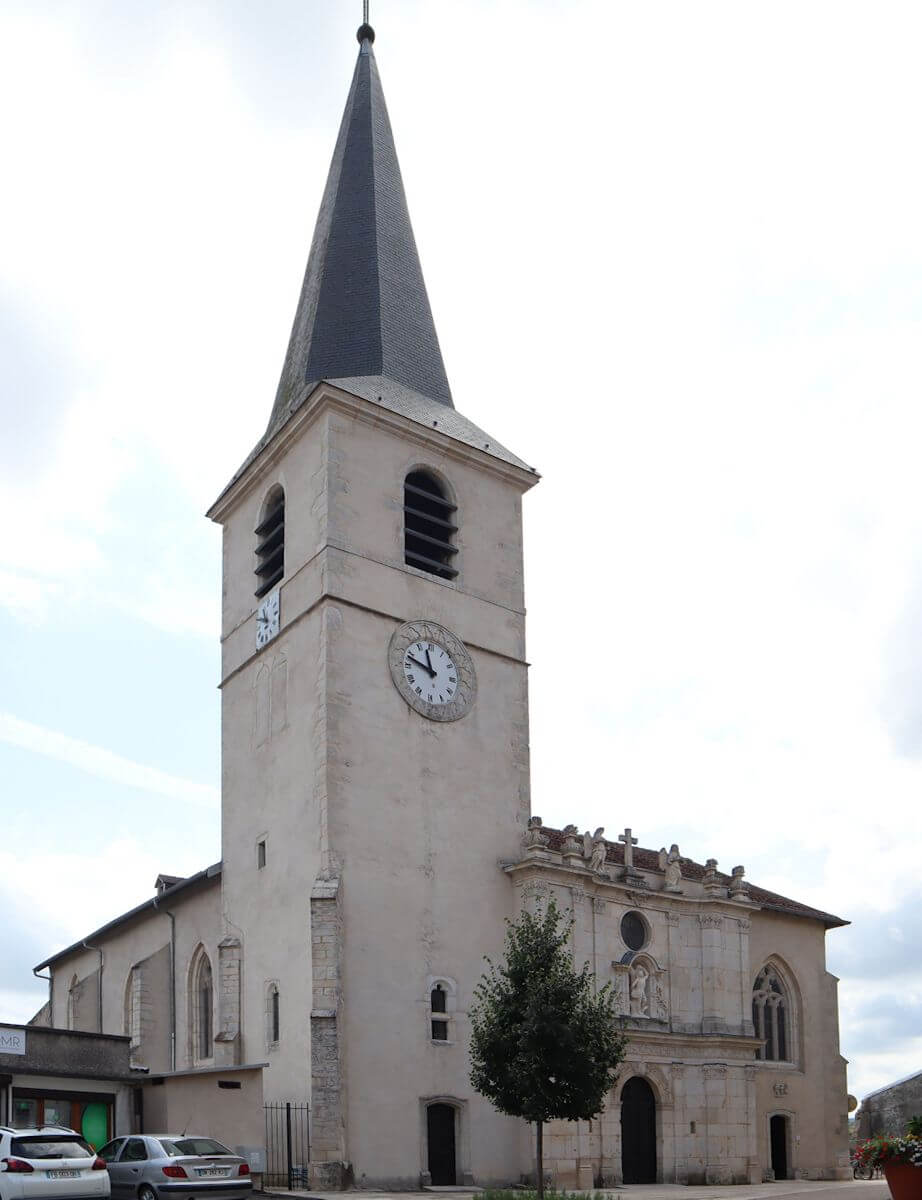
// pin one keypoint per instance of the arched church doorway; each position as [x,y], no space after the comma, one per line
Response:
[440,1133]
[638,1132]
[778,1127]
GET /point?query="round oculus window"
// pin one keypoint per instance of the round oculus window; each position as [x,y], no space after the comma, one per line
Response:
[633,931]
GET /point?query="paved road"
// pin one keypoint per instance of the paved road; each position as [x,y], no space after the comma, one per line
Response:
[792,1189]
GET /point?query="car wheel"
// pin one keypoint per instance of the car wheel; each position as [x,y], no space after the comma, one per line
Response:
[146,1192]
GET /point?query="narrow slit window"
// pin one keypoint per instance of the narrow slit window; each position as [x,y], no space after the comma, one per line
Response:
[429,526]
[274,1022]
[270,544]
[260,854]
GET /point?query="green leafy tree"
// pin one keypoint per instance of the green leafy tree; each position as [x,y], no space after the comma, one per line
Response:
[544,1044]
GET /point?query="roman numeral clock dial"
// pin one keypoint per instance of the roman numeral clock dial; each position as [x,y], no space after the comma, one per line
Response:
[432,670]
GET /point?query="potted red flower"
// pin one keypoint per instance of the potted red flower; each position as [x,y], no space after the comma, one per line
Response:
[900,1156]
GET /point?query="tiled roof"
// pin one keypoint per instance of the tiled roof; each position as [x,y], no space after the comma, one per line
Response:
[648,860]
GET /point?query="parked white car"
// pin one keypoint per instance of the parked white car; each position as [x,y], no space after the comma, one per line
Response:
[50,1163]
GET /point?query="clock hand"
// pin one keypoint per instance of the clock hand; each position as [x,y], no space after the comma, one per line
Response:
[422,665]
[429,661]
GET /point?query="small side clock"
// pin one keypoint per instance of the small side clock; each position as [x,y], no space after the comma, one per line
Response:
[432,670]
[267,619]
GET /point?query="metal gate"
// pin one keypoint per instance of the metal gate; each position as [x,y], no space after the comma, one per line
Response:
[288,1145]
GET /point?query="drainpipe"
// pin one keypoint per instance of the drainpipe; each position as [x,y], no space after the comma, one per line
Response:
[102,960]
[166,912]
[50,978]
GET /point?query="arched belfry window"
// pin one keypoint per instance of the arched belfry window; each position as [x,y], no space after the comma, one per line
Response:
[270,546]
[771,1016]
[429,526]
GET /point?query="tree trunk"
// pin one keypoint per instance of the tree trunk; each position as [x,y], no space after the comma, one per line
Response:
[539,1157]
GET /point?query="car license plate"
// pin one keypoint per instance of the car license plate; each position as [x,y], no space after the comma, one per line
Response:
[212,1172]
[64,1173]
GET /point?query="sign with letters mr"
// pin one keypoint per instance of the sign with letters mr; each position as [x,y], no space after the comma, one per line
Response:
[12,1041]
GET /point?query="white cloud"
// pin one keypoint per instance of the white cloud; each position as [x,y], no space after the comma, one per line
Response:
[103,763]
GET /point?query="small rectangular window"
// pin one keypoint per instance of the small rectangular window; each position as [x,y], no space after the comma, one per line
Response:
[260,854]
[440,1031]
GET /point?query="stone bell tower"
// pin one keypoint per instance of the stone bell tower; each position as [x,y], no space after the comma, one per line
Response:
[375,704]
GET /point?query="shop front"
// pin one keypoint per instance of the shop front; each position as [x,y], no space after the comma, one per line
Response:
[82,1081]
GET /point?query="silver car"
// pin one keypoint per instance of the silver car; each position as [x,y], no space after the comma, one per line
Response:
[170,1166]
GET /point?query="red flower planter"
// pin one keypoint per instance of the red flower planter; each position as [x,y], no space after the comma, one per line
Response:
[904,1181]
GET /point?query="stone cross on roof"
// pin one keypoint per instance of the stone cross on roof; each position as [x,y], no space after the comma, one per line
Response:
[629,844]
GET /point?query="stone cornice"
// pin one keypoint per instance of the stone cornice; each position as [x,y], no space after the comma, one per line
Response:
[552,868]
[326,398]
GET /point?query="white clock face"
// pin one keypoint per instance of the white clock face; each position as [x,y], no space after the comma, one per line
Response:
[267,619]
[430,672]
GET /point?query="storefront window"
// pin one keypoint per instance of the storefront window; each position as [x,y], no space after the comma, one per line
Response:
[88,1114]
[25,1113]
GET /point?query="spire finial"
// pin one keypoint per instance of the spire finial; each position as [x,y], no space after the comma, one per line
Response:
[365,33]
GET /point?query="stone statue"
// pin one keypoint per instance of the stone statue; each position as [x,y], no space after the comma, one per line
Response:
[671,865]
[639,1005]
[599,851]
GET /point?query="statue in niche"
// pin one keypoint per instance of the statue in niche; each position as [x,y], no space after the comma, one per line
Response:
[671,865]
[639,1004]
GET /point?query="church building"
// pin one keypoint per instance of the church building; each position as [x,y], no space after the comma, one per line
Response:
[376,819]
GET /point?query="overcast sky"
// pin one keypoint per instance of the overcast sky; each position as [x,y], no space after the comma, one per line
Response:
[675,259]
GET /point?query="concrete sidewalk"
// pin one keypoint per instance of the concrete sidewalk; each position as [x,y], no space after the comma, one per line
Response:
[857,1189]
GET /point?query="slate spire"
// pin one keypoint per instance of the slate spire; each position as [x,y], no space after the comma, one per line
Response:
[363,310]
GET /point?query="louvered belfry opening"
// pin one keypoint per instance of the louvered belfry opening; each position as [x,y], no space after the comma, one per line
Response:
[428,526]
[270,548]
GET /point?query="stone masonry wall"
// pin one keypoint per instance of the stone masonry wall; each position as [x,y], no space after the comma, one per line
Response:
[328,1165]
[889,1110]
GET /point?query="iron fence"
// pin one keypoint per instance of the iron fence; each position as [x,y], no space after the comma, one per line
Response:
[288,1145]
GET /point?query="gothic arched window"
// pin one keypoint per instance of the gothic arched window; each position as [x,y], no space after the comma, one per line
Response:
[202,1007]
[428,525]
[270,548]
[771,1016]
